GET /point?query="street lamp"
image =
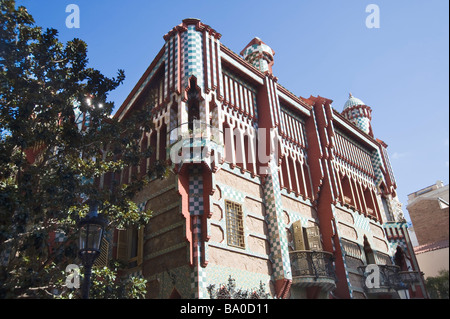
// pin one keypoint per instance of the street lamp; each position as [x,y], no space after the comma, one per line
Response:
[91,234]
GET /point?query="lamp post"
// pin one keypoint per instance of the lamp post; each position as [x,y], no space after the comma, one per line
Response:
[92,226]
[91,234]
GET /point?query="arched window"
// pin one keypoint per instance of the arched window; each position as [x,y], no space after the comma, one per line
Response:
[369,202]
[173,125]
[347,195]
[162,142]
[193,104]
[368,252]
[399,259]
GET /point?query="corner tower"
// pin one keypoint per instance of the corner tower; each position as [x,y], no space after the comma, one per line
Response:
[357,112]
[259,54]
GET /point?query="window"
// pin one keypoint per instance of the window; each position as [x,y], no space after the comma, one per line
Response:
[235,224]
[368,252]
[387,211]
[130,246]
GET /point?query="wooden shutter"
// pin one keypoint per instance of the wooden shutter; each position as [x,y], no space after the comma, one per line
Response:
[122,245]
[313,235]
[299,241]
[102,260]
[140,253]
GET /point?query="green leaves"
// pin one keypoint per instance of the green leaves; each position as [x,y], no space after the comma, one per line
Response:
[59,146]
[106,284]
[437,286]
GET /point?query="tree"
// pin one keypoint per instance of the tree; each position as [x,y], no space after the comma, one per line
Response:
[437,286]
[58,144]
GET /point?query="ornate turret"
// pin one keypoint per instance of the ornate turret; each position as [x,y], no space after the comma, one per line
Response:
[259,54]
[358,113]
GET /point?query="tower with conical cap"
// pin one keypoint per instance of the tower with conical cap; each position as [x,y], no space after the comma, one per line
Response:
[357,112]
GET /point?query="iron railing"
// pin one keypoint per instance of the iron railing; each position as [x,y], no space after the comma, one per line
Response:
[311,263]
[391,278]
[195,130]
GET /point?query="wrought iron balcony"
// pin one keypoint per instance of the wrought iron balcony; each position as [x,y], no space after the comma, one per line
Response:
[408,278]
[194,130]
[389,279]
[313,268]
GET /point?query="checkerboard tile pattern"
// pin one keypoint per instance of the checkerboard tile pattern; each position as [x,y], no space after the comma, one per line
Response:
[376,162]
[363,123]
[253,54]
[398,241]
[60,236]
[192,64]
[195,192]
[198,276]
[361,222]
[281,265]
[199,283]
[230,193]
[141,206]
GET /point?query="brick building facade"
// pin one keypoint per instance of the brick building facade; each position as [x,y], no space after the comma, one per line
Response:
[429,209]
[266,186]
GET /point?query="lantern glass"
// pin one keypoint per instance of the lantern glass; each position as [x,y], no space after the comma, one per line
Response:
[90,237]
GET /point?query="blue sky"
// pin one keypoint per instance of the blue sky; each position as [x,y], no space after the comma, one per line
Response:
[401,69]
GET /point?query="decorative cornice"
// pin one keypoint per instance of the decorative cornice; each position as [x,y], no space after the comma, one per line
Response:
[297,99]
[241,61]
[199,26]
[348,112]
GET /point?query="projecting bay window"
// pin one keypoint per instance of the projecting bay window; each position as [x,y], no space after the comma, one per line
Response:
[235,224]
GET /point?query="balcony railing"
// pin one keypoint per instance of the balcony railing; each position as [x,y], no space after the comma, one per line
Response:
[312,264]
[389,279]
[195,142]
[195,130]
[408,278]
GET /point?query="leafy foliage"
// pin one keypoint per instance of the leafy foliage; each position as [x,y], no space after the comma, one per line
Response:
[229,291]
[437,286]
[106,284]
[51,161]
